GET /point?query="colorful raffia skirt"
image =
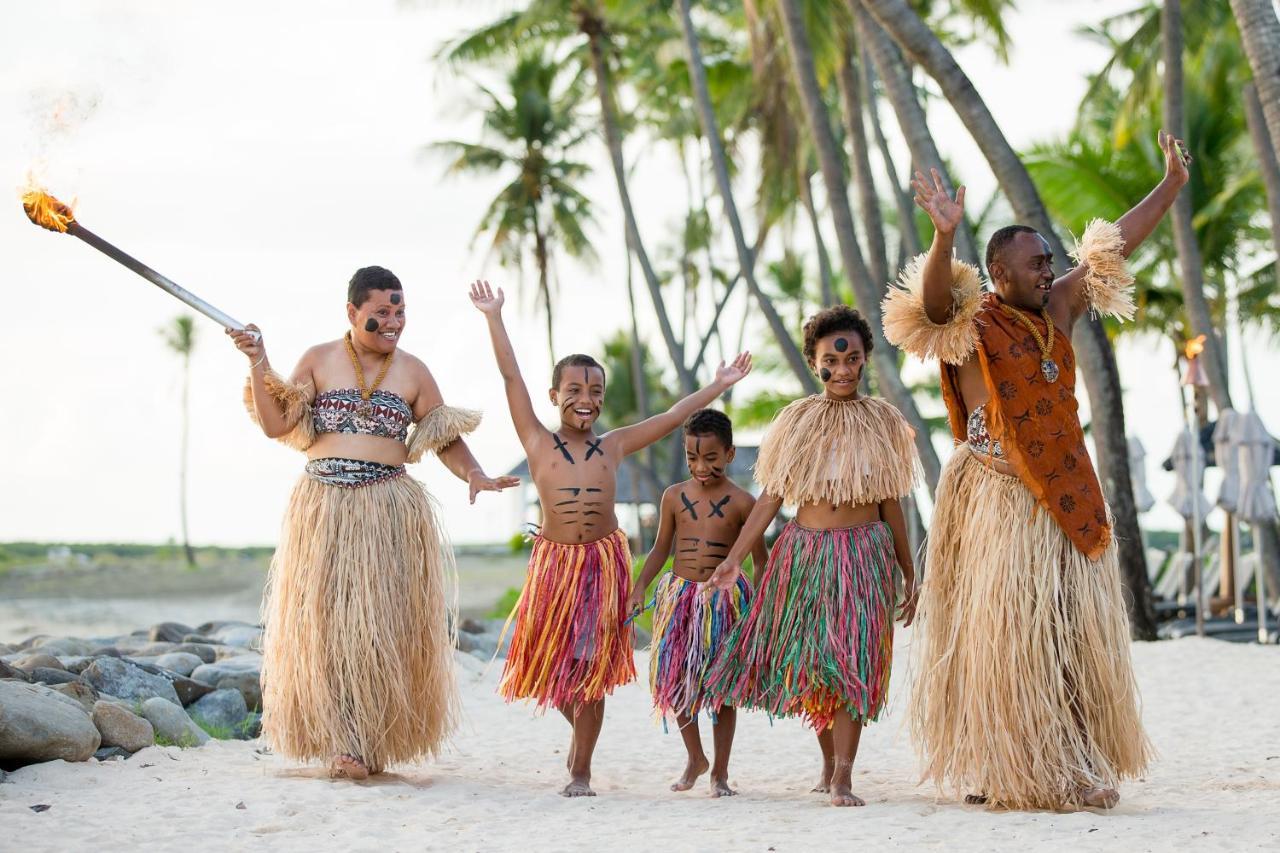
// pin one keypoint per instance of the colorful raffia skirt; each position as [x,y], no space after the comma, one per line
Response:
[358,652]
[818,638]
[570,642]
[1024,690]
[688,631]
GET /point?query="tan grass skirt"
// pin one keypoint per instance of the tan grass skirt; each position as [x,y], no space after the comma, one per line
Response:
[358,653]
[1025,690]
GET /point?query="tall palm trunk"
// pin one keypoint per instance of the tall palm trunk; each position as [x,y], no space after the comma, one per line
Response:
[182,468]
[1184,235]
[860,162]
[825,276]
[593,27]
[1096,358]
[868,293]
[720,166]
[910,237]
[911,118]
[1267,163]
[540,255]
[1260,33]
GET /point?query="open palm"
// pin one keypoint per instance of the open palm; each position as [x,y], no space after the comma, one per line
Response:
[945,212]
[735,371]
[483,297]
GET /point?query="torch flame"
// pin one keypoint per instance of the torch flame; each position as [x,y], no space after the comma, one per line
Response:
[46,211]
[1194,347]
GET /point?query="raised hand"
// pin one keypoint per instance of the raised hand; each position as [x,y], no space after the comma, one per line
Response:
[945,212]
[734,372]
[477,482]
[482,296]
[248,341]
[1177,160]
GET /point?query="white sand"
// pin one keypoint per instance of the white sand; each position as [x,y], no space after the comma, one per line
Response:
[1213,710]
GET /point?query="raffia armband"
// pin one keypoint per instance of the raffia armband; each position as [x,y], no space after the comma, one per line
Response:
[1108,284]
[293,401]
[441,427]
[907,324]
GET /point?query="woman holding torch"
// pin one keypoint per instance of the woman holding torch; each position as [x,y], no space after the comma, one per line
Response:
[358,666]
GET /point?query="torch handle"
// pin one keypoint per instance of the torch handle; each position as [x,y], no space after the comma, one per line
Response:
[160,281]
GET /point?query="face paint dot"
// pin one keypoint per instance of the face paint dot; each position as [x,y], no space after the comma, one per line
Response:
[825,375]
[395,298]
[842,344]
[371,325]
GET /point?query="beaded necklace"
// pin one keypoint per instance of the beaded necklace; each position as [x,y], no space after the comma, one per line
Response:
[1047,365]
[366,393]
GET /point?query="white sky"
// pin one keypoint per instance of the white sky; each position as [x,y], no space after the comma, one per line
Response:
[258,153]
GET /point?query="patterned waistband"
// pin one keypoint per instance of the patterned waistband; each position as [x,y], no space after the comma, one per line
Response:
[351,473]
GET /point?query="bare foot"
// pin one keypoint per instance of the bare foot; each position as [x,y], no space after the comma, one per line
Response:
[348,767]
[975,800]
[578,787]
[824,781]
[1100,798]
[695,768]
[720,788]
[842,796]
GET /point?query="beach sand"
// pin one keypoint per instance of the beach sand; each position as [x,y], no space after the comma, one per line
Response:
[1212,709]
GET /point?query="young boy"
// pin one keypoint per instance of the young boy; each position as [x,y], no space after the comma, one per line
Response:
[702,518]
[571,644]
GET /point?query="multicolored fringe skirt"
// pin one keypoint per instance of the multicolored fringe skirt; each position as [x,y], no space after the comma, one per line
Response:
[819,636]
[358,652]
[1024,689]
[688,630]
[570,642]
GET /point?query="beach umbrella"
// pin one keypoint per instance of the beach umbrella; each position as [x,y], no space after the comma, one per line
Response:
[1188,498]
[1226,437]
[1142,496]
[1257,502]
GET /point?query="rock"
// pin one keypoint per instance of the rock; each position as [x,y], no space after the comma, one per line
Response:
[172,724]
[65,647]
[112,753]
[188,689]
[180,662]
[128,681]
[8,671]
[249,685]
[121,728]
[35,660]
[224,708]
[212,673]
[472,626]
[465,642]
[252,726]
[34,641]
[242,635]
[206,652]
[38,724]
[79,691]
[6,649]
[198,640]
[75,663]
[151,650]
[105,651]
[169,632]
[45,675]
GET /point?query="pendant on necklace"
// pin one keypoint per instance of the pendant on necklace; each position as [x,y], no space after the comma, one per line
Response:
[1050,369]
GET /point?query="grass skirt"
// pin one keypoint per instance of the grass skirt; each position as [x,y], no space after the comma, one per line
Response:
[570,642]
[688,629]
[1025,690]
[358,653]
[819,635]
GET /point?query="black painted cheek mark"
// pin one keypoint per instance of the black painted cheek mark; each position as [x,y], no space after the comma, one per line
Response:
[717,509]
[563,448]
[395,300]
[841,344]
[688,506]
[594,447]
[825,375]
[371,325]
[573,490]
[589,490]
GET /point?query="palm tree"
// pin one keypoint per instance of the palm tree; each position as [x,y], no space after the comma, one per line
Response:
[533,125]
[868,293]
[1268,163]
[1096,358]
[181,338]
[860,165]
[1260,32]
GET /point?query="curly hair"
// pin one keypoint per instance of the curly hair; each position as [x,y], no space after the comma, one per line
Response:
[710,422]
[575,360]
[367,279]
[828,321]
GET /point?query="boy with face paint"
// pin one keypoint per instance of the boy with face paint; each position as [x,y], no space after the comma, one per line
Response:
[1031,702]
[817,641]
[697,522]
[571,643]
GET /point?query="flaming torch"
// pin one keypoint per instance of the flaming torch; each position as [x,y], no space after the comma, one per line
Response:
[1195,378]
[47,212]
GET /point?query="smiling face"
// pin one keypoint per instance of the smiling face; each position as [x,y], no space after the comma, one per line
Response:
[378,323]
[579,397]
[839,358]
[707,458]
[1023,272]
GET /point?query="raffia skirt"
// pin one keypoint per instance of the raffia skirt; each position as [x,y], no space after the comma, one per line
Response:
[358,652]
[1025,691]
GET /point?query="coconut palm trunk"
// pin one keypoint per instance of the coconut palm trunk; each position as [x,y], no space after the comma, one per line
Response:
[825,276]
[1260,34]
[181,338]
[860,162]
[910,237]
[1096,357]
[868,293]
[1268,164]
[720,167]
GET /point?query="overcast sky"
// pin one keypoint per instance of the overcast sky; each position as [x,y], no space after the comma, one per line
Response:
[258,153]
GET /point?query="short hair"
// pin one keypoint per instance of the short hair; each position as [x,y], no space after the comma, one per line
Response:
[1001,239]
[837,318]
[367,279]
[575,360]
[710,422]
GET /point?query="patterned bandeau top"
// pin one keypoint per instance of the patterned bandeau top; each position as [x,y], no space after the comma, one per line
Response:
[385,415]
